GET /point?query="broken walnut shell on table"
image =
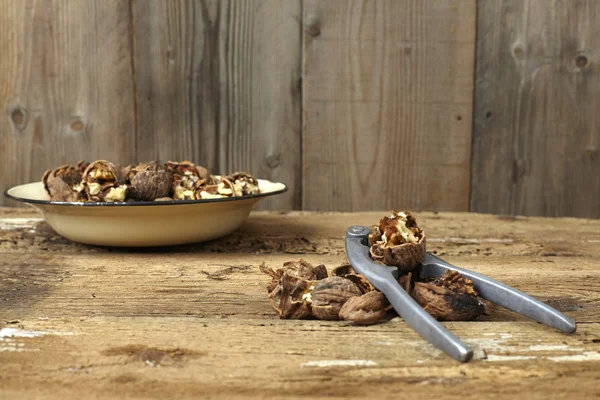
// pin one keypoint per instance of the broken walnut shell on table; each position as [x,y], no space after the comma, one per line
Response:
[366,309]
[346,271]
[289,286]
[288,298]
[449,297]
[327,296]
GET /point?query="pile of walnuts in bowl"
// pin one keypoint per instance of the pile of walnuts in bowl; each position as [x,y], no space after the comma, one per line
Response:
[103,181]
[299,290]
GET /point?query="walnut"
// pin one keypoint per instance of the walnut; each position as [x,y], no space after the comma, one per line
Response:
[149,181]
[63,183]
[243,183]
[185,179]
[366,309]
[103,181]
[81,166]
[327,296]
[346,271]
[205,175]
[449,297]
[226,188]
[289,286]
[208,192]
[398,241]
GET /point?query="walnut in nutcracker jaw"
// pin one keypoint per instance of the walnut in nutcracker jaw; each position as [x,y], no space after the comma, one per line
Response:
[398,241]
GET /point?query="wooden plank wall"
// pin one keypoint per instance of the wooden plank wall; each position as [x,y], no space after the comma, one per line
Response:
[66,87]
[537,126]
[389,125]
[218,82]
[458,105]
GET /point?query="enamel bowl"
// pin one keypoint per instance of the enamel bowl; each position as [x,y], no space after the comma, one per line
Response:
[142,224]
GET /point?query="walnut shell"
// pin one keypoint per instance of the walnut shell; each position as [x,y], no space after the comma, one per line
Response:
[103,179]
[406,256]
[60,183]
[150,185]
[398,241]
[329,295]
[182,168]
[374,235]
[103,171]
[243,183]
[366,309]
[287,298]
[305,270]
[290,285]
[82,165]
[205,175]
[446,305]
[346,271]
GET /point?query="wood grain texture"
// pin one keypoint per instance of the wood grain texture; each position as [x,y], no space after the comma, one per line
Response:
[387,104]
[536,127]
[66,90]
[218,83]
[193,321]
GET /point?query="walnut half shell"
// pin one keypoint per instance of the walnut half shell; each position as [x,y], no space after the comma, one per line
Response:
[450,297]
[63,183]
[398,241]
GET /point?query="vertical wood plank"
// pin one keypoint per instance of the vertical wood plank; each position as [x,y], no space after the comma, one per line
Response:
[219,84]
[388,104]
[66,91]
[536,125]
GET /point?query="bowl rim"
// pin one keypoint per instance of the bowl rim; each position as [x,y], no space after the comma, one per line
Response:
[140,203]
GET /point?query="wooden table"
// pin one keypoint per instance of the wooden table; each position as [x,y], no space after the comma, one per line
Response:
[193,321]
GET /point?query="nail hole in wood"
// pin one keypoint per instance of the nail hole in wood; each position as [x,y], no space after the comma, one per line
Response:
[488,115]
[581,61]
[77,125]
[518,51]
[459,117]
[273,161]
[313,29]
[19,118]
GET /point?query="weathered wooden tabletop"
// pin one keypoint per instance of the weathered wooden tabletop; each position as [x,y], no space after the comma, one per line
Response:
[193,321]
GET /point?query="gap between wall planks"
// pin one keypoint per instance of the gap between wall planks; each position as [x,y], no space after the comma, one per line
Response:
[536,127]
[388,104]
[65,86]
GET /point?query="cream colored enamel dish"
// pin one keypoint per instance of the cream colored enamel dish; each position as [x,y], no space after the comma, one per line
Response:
[142,224]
